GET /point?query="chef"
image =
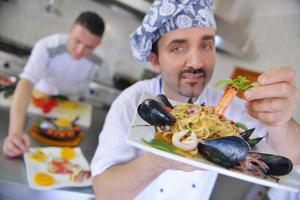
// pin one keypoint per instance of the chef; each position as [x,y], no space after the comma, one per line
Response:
[178,38]
[60,64]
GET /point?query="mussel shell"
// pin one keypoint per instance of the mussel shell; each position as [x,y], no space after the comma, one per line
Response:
[153,113]
[278,165]
[190,101]
[162,99]
[254,141]
[224,151]
[247,133]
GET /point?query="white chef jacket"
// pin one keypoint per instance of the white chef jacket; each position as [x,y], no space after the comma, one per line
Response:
[171,184]
[280,194]
[53,70]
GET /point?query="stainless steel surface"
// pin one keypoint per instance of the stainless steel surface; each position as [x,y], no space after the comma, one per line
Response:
[16,191]
[101,94]
[11,64]
[13,170]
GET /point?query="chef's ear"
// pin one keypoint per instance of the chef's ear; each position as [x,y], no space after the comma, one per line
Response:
[153,58]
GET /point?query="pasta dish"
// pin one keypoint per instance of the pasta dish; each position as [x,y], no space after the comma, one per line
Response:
[195,123]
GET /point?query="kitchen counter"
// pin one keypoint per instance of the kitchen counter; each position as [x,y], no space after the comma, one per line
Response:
[8,192]
[13,170]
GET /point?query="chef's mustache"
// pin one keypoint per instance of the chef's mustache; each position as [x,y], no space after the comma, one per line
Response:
[194,71]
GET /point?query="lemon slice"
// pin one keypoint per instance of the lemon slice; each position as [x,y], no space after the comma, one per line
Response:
[43,179]
[67,153]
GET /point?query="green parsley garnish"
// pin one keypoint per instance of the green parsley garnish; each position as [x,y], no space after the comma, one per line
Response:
[240,83]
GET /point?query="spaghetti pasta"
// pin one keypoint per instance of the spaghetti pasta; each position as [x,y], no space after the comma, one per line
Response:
[200,120]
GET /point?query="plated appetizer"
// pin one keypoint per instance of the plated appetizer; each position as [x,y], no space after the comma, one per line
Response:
[59,129]
[62,165]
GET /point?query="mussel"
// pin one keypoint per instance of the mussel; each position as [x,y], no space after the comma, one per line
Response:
[263,164]
[246,135]
[154,113]
[224,151]
[162,99]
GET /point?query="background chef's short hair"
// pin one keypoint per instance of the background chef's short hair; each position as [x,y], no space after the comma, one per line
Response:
[168,15]
[92,22]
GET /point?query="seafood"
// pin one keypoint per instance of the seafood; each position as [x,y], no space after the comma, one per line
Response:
[240,83]
[246,135]
[262,164]
[162,99]
[224,151]
[185,140]
[230,150]
[154,113]
[80,176]
[61,166]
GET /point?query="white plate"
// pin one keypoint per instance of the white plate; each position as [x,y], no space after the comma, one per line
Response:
[138,133]
[62,180]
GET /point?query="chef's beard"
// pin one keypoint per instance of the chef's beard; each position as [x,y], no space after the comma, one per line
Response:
[193,90]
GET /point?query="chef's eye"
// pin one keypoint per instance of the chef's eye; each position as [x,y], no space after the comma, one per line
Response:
[206,46]
[178,49]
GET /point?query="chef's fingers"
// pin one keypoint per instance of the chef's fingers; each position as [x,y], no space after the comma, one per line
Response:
[269,119]
[268,105]
[18,143]
[10,150]
[282,89]
[27,141]
[276,75]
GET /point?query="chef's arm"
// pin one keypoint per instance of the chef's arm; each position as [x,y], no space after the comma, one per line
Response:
[20,102]
[125,181]
[286,140]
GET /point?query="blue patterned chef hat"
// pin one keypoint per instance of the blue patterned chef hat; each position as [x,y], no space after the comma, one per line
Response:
[168,15]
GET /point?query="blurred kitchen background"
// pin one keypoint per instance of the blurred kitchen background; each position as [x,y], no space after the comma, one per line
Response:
[257,35]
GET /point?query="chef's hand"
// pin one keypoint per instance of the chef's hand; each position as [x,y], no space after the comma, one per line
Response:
[274,100]
[16,145]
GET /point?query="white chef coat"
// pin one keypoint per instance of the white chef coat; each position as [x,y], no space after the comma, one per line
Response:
[279,194]
[171,184]
[53,70]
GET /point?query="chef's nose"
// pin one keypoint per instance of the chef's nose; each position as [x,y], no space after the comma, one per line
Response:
[195,59]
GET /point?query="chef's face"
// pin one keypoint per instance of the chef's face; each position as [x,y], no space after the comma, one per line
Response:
[186,59]
[81,41]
